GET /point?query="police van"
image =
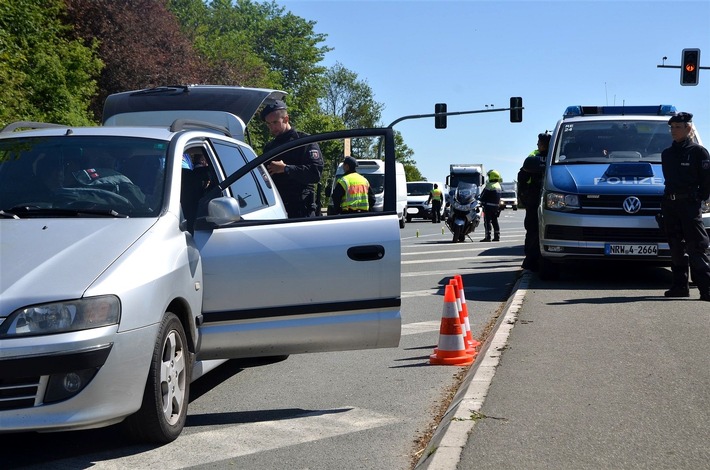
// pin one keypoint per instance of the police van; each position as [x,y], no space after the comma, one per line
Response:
[603,187]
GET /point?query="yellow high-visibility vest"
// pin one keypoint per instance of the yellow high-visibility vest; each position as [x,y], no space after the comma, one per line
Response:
[356,187]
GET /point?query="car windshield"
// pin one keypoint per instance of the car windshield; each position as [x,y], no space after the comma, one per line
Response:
[70,176]
[418,189]
[507,194]
[612,141]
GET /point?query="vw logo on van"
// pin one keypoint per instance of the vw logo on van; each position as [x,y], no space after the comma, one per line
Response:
[632,204]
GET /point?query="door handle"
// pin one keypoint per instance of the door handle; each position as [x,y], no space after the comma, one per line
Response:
[366,253]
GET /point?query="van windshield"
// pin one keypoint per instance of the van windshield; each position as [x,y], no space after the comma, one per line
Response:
[377,182]
[612,141]
[60,176]
[419,189]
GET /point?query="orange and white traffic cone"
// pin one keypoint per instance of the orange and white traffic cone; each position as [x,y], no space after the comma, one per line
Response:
[451,350]
[471,343]
[455,283]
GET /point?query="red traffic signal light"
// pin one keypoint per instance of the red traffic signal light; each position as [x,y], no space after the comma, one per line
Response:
[690,67]
[440,119]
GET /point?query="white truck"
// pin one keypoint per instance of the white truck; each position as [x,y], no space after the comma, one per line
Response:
[469,172]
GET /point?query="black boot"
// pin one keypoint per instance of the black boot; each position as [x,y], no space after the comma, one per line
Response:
[496,237]
[487,239]
[677,292]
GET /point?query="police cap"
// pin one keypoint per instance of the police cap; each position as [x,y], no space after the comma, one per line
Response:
[350,162]
[681,117]
[270,108]
[544,137]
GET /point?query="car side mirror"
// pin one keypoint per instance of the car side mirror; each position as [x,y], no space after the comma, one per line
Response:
[223,211]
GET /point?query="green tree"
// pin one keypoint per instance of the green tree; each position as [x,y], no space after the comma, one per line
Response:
[140,42]
[46,75]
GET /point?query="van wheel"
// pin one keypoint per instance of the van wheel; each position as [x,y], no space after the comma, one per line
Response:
[401,222]
[409,218]
[549,271]
[163,412]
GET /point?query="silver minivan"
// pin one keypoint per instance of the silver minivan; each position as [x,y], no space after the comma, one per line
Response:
[136,258]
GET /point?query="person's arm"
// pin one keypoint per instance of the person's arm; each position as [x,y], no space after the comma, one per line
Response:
[337,196]
[370,198]
[309,168]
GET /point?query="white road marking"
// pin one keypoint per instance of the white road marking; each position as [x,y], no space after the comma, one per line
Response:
[421,327]
[225,442]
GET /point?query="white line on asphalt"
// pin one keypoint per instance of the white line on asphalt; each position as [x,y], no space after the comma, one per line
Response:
[216,444]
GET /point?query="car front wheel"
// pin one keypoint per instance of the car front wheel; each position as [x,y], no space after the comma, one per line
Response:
[162,415]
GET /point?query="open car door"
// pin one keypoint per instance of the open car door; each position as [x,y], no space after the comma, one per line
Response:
[289,286]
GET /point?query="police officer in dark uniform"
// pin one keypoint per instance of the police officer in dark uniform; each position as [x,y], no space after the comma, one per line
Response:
[686,169]
[530,178]
[298,170]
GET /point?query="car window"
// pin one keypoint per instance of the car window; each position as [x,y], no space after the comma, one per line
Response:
[246,189]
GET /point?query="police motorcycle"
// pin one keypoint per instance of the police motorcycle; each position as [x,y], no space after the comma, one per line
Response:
[464,213]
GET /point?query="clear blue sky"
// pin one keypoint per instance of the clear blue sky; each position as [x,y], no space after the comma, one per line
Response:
[470,54]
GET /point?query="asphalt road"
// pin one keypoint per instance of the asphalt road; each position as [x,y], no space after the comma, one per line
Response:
[597,371]
[357,409]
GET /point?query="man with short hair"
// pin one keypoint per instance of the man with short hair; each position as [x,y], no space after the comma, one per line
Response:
[299,169]
[686,169]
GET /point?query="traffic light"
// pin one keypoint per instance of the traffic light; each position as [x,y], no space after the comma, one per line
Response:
[516,109]
[440,119]
[690,66]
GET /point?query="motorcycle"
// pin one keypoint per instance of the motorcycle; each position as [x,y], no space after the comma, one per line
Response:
[464,213]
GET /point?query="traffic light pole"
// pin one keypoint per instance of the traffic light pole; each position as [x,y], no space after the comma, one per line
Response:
[449,113]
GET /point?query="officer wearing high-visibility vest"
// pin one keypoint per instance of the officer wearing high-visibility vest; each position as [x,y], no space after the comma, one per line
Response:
[436,197]
[352,192]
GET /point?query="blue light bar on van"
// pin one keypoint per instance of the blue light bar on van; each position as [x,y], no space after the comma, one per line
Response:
[660,110]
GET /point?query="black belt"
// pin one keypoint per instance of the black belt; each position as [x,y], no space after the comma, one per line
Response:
[678,196]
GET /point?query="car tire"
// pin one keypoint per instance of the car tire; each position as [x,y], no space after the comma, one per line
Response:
[515,208]
[402,222]
[163,411]
[457,234]
[409,218]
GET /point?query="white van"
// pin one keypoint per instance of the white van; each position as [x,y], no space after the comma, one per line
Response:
[417,197]
[374,172]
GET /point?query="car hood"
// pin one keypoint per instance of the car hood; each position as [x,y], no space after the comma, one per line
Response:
[614,178]
[55,259]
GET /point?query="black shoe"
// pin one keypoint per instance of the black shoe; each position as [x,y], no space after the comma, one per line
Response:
[487,239]
[496,239]
[677,292]
[705,297]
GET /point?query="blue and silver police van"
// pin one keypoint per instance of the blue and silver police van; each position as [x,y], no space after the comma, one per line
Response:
[603,187]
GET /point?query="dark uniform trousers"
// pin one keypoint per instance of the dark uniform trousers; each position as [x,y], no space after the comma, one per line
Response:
[686,234]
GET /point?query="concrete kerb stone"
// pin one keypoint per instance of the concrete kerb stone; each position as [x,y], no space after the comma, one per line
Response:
[451,435]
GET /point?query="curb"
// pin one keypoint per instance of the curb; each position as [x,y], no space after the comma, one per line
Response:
[451,435]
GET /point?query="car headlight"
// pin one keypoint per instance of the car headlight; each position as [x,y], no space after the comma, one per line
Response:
[561,202]
[62,317]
